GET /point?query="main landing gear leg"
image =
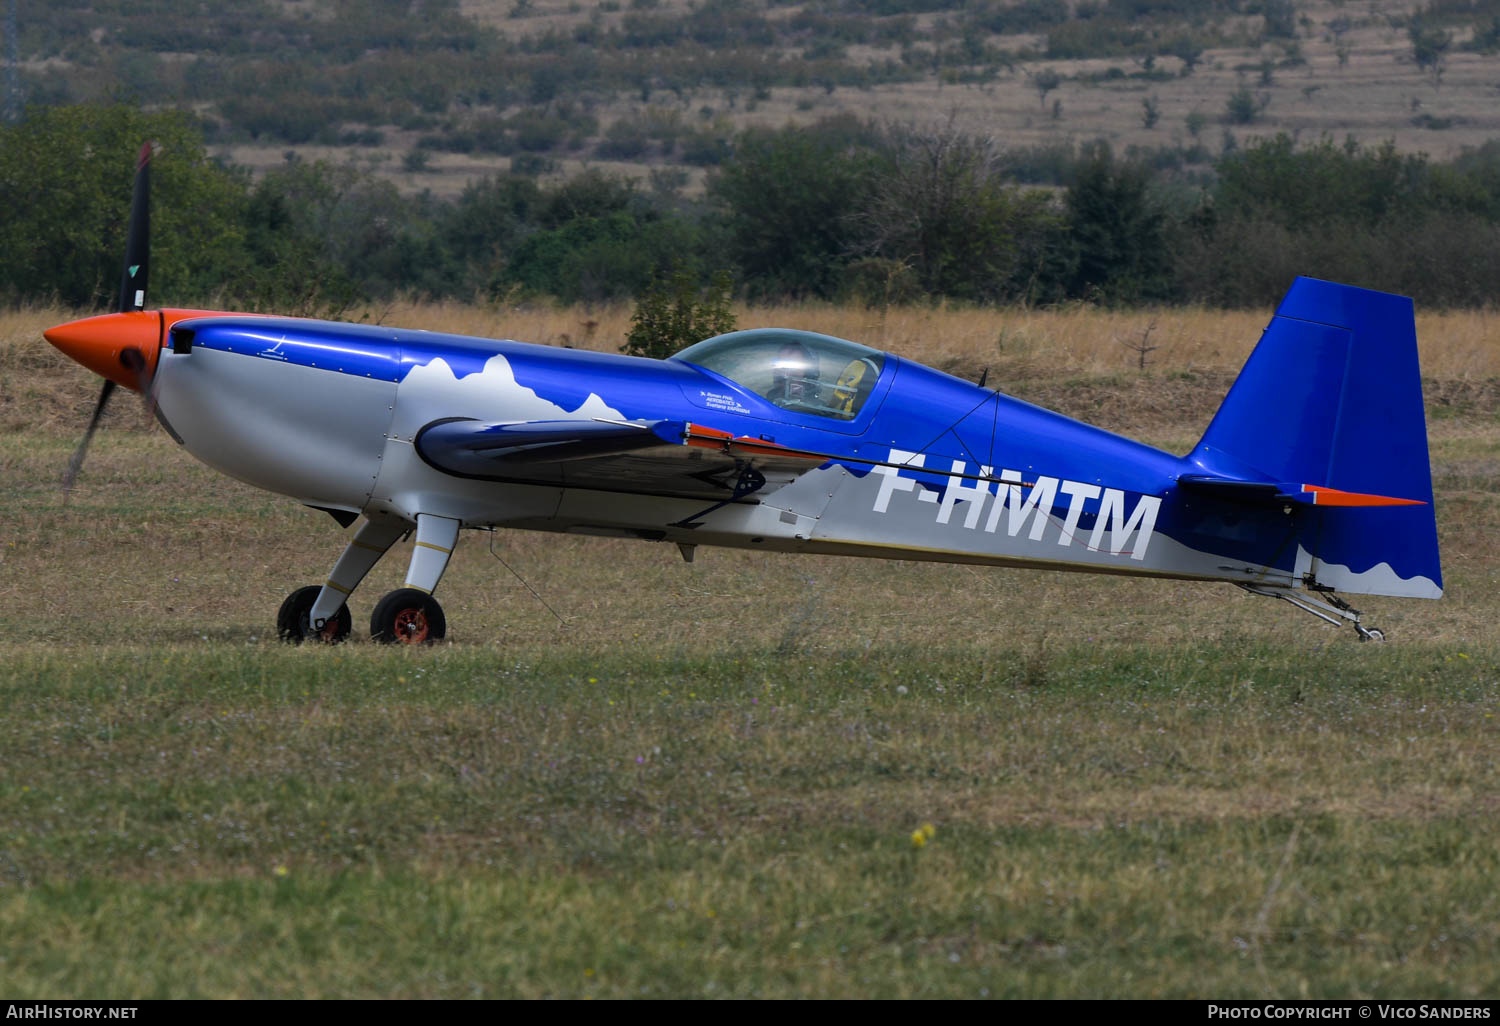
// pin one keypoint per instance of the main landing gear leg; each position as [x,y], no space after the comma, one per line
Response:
[1335,610]
[318,613]
[410,615]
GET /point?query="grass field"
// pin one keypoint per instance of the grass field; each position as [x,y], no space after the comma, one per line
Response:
[712,779]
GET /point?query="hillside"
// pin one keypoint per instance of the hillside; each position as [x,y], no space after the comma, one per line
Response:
[437,96]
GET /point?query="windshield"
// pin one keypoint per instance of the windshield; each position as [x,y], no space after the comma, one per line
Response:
[796,370]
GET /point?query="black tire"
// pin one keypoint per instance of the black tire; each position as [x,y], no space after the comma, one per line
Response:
[408,616]
[291,619]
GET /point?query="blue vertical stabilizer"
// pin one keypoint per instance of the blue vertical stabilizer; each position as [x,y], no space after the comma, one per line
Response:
[1331,398]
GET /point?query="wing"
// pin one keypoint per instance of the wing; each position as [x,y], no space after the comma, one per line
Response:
[664,457]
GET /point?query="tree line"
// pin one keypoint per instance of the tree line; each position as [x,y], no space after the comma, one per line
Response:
[841,211]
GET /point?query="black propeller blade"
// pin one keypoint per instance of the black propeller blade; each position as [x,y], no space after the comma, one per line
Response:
[138,238]
[76,463]
[132,296]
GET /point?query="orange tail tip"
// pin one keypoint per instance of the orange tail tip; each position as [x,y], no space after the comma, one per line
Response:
[1334,497]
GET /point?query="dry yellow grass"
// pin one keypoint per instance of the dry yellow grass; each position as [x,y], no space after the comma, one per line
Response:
[1076,340]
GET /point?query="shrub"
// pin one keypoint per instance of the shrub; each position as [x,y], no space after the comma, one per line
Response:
[1242,107]
[671,316]
[623,140]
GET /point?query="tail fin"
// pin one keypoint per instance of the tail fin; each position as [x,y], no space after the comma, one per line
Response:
[1331,398]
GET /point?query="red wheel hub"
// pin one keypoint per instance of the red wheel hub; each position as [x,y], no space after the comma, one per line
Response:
[411,626]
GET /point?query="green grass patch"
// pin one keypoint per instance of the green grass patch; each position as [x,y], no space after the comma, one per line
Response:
[1321,906]
[1110,820]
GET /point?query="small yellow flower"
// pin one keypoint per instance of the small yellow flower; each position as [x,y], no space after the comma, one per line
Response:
[918,839]
[281,871]
[928,830]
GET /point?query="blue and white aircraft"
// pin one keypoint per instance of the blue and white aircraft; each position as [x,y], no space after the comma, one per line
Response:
[1312,479]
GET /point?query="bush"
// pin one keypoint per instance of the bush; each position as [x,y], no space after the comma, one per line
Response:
[1242,107]
[705,149]
[1042,164]
[623,140]
[1097,37]
[1119,230]
[531,165]
[539,134]
[786,199]
[1322,183]
[671,316]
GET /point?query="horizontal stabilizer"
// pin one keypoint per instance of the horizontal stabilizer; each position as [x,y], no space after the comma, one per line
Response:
[1250,493]
[1270,493]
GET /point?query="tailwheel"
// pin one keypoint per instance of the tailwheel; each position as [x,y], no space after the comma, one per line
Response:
[408,616]
[292,625]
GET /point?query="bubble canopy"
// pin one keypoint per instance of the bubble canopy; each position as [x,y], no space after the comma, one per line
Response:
[800,371]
